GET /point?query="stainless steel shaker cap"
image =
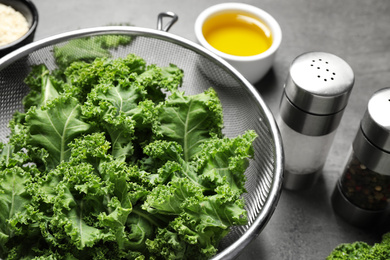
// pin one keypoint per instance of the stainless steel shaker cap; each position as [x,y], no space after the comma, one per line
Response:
[376,121]
[319,83]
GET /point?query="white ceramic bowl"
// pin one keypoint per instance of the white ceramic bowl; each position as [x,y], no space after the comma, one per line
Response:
[253,68]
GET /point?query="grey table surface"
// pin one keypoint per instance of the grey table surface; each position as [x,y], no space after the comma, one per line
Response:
[303,225]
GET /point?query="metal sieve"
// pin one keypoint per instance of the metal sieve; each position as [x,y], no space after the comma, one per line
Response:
[243,108]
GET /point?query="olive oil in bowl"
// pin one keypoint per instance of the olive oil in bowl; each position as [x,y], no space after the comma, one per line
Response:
[238,34]
[244,35]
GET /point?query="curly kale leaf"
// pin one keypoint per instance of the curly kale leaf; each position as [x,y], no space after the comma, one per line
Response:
[44,87]
[167,162]
[19,230]
[167,245]
[158,79]
[201,221]
[81,77]
[223,161]
[362,251]
[219,161]
[13,198]
[125,108]
[88,48]
[54,126]
[190,120]
[91,203]
[107,107]
[204,195]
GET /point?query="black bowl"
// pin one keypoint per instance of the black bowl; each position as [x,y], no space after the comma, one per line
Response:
[28,10]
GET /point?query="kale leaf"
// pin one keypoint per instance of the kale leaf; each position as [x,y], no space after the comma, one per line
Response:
[362,251]
[88,48]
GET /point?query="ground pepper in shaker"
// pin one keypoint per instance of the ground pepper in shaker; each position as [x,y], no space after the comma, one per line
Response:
[315,94]
[362,194]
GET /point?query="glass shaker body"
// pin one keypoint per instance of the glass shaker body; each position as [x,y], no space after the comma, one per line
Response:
[315,95]
[307,140]
[363,187]
[362,194]
[304,154]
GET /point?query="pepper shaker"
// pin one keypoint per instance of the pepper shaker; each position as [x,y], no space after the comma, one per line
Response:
[362,194]
[315,94]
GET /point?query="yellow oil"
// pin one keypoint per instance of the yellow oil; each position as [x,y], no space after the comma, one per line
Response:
[237,34]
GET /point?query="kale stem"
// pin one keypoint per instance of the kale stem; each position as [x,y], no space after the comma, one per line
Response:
[108,197]
[148,217]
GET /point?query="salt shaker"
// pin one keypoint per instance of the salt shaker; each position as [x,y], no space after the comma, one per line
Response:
[315,95]
[362,194]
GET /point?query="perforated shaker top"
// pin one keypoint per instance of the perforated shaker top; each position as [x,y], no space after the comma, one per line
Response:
[376,121]
[319,83]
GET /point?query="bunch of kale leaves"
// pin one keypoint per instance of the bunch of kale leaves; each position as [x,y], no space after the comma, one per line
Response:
[103,164]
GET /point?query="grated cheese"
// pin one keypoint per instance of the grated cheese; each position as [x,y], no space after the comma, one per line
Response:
[13,25]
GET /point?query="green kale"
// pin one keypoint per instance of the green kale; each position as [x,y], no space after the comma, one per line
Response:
[190,120]
[362,251]
[43,87]
[88,48]
[54,126]
[105,164]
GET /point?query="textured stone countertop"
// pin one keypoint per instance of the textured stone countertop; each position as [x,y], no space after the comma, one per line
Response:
[303,225]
